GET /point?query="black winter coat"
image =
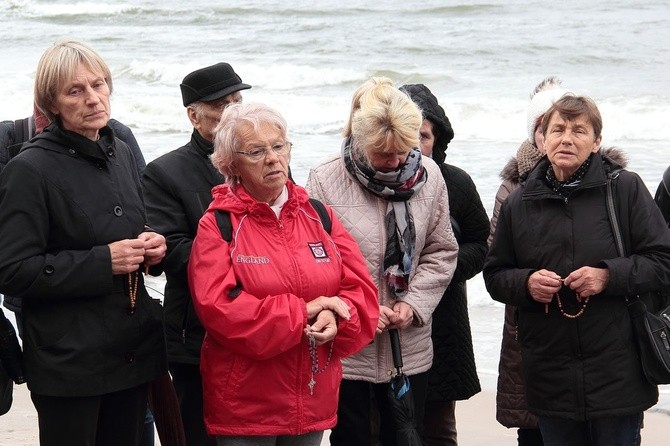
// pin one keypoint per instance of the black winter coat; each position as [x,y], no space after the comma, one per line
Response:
[453,375]
[62,200]
[9,144]
[177,188]
[582,368]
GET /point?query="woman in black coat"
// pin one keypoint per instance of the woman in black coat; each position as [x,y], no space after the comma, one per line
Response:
[553,256]
[453,375]
[72,243]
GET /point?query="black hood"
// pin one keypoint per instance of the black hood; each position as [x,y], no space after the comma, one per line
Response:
[432,111]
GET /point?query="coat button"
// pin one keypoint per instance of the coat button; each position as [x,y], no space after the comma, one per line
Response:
[130,357]
[118,211]
[49,270]
[389,372]
[71,151]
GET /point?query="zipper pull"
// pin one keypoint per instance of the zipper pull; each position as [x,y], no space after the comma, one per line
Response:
[664,338]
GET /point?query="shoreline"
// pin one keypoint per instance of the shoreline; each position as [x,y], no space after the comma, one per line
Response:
[475,421]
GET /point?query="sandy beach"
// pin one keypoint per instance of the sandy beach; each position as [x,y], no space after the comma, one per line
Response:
[475,419]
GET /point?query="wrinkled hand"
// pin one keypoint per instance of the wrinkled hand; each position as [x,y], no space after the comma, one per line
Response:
[332,303]
[324,327]
[403,315]
[385,314]
[587,280]
[154,247]
[127,255]
[543,284]
[400,316]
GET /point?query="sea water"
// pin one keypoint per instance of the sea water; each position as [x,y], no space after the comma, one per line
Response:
[480,58]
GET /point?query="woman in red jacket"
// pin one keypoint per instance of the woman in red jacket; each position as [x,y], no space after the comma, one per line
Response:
[282,302]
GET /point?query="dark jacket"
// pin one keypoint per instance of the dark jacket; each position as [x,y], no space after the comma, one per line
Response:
[63,199]
[177,188]
[662,196]
[453,375]
[511,407]
[8,139]
[584,368]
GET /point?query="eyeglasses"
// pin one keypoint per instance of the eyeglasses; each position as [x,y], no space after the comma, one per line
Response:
[258,153]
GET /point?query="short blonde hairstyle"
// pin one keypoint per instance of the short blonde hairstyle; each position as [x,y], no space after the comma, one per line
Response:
[58,65]
[227,137]
[382,118]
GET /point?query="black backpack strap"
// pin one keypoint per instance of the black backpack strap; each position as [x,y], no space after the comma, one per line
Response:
[226,227]
[323,214]
[23,131]
[223,222]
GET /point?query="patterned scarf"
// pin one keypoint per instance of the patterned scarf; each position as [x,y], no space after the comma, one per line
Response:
[567,187]
[397,187]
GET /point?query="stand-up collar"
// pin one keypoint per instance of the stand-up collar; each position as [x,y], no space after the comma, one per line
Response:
[202,145]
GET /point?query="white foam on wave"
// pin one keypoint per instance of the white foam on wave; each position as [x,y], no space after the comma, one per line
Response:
[153,72]
[287,76]
[31,9]
[502,118]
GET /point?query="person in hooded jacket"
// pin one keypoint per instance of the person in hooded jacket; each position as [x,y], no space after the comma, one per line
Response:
[10,145]
[177,188]
[12,139]
[73,239]
[453,375]
[554,256]
[281,298]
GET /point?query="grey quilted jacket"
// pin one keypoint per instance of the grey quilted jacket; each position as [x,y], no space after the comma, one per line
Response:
[362,213]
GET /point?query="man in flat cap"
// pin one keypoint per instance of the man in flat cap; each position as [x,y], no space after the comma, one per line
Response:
[177,189]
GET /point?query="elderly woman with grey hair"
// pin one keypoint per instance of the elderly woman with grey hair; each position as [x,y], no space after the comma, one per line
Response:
[282,297]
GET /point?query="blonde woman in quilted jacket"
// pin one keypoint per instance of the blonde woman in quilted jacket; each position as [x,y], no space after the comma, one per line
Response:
[394,203]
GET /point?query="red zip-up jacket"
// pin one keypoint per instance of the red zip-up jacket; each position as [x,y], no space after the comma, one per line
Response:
[250,296]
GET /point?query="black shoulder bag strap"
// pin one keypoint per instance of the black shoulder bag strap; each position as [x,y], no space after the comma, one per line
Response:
[651,331]
[611,211]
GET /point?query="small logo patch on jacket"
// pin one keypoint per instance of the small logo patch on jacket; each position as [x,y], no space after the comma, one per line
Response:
[318,251]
